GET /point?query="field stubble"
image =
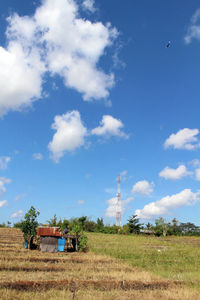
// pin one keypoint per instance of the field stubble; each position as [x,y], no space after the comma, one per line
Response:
[28,274]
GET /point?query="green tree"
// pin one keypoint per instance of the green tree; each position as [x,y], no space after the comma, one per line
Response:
[175,228]
[90,226]
[81,239]
[134,224]
[82,221]
[100,225]
[161,227]
[29,225]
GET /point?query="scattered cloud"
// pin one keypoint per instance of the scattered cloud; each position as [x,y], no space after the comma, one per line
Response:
[20,196]
[4,160]
[37,156]
[81,202]
[114,207]
[123,175]
[3,203]
[89,5]
[195,163]
[110,191]
[183,139]
[109,126]
[193,31]
[70,134]
[55,41]
[166,204]
[18,214]
[174,174]
[3,181]
[197,174]
[143,187]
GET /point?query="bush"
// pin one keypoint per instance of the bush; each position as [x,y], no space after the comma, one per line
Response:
[82,244]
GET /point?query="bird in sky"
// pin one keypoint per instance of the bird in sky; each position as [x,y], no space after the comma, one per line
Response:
[168,44]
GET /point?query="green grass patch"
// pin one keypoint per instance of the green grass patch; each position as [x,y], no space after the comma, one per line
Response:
[176,258]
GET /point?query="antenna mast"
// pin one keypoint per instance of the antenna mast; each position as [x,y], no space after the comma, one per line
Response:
[118,206]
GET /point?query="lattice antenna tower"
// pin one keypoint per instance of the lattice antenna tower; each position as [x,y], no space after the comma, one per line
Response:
[118,206]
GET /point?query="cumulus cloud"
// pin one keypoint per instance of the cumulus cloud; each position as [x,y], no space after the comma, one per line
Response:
[89,5]
[70,134]
[183,139]
[3,181]
[17,63]
[3,203]
[114,206]
[193,31]
[18,214]
[109,126]
[166,204]
[4,160]
[37,156]
[143,187]
[174,174]
[58,41]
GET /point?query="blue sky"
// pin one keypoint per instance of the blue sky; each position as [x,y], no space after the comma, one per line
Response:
[89,90]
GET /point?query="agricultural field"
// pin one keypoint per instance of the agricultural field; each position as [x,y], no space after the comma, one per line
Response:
[117,267]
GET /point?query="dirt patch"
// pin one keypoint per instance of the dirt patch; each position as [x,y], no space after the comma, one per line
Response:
[85,284]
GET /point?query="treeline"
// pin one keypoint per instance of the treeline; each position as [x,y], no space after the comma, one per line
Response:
[133,226]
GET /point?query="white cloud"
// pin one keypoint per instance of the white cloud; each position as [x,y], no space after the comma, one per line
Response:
[58,41]
[81,202]
[174,174]
[166,204]
[183,139]
[70,134]
[143,187]
[3,203]
[74,47]
[197,173]
[114,207]
[4,160]
[37,156]
[18,214]
[193,31]
[89,5]
[109,126]
[3,181]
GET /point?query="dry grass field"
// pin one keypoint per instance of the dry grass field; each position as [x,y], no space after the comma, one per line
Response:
[26,274]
